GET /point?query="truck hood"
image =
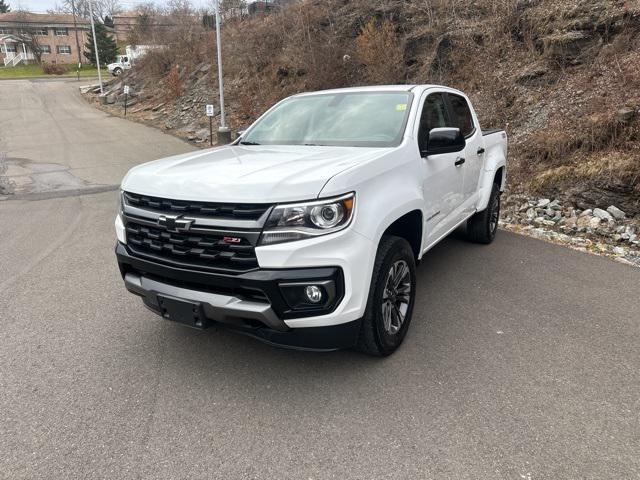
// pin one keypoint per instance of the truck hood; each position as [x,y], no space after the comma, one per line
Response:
[246,174]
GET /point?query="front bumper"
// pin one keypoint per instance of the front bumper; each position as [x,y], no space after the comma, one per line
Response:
[251,303]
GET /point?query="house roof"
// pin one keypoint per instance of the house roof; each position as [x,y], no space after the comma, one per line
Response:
[9,38]
[43,19]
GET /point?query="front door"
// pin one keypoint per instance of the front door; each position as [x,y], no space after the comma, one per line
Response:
[442,180]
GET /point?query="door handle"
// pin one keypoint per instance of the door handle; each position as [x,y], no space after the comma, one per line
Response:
[480,151]
[459,161]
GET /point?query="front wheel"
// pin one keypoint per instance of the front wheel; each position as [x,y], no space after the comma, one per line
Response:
[117,72]
[391,298]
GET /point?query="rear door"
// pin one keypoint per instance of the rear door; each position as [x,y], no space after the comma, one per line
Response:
[442,180]
[463,118]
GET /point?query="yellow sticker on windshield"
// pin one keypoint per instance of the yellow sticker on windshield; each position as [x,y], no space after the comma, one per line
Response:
[401,107]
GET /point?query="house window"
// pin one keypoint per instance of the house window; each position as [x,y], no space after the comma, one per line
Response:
[43,32]
[45,49]
[61,32]
[4,31]
[64,49]
[10,48]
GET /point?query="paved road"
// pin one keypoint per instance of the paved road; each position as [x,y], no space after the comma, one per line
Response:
[523,362]
[51,140]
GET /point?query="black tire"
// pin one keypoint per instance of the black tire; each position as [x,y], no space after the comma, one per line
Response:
[377,337]
[117,72]
[483,226]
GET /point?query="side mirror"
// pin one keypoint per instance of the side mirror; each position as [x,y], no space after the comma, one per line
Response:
[443,140]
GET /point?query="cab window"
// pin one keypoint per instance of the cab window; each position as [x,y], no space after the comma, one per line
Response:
[462,117]
[434,115]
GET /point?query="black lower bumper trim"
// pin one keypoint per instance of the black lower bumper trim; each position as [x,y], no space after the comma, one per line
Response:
[262,308]
[336,337]
[260,283]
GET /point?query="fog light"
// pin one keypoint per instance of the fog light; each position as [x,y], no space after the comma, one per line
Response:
[313,293]
[309,296]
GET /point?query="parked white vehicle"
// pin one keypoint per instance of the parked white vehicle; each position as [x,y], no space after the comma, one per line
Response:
[307,230]
[124,62]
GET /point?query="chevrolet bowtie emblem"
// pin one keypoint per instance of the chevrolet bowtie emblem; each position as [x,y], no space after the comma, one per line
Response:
[175,223]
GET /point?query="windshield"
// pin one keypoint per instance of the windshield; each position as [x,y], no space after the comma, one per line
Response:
[352,119]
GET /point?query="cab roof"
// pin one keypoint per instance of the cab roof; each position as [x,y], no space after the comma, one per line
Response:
[376,88]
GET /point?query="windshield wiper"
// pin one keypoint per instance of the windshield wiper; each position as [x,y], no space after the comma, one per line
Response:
[249,143]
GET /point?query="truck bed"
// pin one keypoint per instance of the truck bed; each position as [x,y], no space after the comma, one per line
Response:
[491,131]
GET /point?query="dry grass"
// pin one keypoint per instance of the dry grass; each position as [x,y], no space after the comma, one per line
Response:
[553,73]
[174,84]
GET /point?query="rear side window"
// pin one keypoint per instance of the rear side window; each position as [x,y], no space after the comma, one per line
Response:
[434,115]
[462,114]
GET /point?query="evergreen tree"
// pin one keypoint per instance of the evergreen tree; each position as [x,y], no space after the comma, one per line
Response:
[107,48]
[4,7]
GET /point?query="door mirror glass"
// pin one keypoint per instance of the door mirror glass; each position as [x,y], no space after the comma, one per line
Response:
[444,140]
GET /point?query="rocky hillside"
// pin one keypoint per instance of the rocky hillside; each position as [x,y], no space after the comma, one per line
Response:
[562,77]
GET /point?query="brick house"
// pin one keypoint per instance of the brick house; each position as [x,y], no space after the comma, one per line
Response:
[54,33]
[124,23]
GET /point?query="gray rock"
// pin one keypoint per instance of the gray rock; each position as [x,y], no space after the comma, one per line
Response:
[584,221]
[111,99]
[616,213]
[543,202]
[203,134]
[531,214]
[555,205]
[620,251]
[571,222]
[586,213]
[594,222]
[624,115]
[602,214]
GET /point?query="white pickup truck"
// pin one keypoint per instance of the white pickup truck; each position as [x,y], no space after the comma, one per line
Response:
[306,231]
[124,62]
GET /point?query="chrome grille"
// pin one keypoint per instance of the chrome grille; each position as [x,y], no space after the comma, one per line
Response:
[209,242]
[236,211]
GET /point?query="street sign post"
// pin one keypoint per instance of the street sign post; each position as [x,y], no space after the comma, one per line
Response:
[210,111]
[126,95]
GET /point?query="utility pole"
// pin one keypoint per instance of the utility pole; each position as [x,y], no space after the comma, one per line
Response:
[75,28]
[95,45]
[224,133]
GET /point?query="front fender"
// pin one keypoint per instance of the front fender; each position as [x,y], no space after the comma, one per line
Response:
[386,188]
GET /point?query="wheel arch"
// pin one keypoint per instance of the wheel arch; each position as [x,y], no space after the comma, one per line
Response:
[410,227]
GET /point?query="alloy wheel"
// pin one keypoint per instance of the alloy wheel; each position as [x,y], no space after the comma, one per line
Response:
[396,297]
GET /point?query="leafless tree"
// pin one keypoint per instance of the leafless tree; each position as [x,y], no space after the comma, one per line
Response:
[101,8]
[28,33]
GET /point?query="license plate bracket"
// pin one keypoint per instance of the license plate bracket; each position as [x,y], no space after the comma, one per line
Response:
[183,311]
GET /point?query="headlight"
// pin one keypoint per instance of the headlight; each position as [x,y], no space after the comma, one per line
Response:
[298,221]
